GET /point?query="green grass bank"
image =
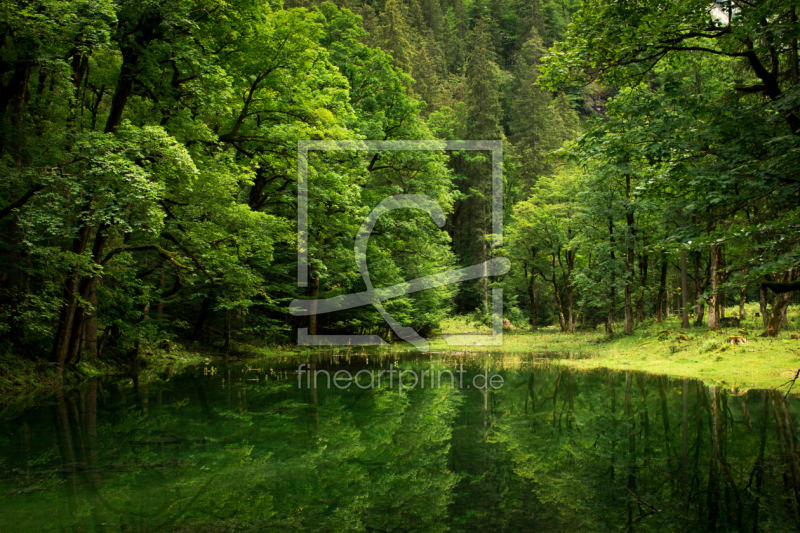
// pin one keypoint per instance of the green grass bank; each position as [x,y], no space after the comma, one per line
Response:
[664,348]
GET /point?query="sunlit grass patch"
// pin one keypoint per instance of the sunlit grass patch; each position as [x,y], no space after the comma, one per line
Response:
[736,355]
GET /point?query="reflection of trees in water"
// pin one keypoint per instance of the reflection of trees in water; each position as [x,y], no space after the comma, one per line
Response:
[738,466]
[552,450]
[198,456]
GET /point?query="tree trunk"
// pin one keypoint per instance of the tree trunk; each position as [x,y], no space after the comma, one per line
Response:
[642,285]
[713,318]
[662,289]
[722,300]
[86,287]
[484,281]
[628,309]
[779,305]
[612,293]
[684,292]
[573,320]
[145,32]
[571,317]
[698,292]
[629,257]
[67,314]
[76,288]
[17,85]
[90,325]
[561,320]
[14,93]
[677,292]
[80,76]
[313,292]
[742,300]
[529,285]
[19,114]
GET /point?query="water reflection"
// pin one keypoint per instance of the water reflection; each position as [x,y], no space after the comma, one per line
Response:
[242,447]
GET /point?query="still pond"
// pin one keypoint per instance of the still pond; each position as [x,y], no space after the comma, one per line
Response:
[495,443]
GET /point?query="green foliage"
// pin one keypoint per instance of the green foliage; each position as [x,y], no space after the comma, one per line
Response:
[151,154]
[150,151]
[691,161]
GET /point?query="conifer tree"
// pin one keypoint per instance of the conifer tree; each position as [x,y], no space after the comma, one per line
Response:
[457,24]
[472,219]
[415,18]
[483,76]
[425,71]
[434,16]
[394,35]
[538,122]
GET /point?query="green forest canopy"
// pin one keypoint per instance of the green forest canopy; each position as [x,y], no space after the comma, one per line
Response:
[149,155]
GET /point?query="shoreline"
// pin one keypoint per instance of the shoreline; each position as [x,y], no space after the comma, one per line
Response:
[655,348]
[696,353]
[21,381]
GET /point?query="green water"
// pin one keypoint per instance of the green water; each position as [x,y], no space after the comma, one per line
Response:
[254,448]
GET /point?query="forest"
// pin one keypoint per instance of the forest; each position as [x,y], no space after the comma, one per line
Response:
[178,176]
[149,154]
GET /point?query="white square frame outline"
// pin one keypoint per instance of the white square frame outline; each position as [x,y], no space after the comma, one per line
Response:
[305,146]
